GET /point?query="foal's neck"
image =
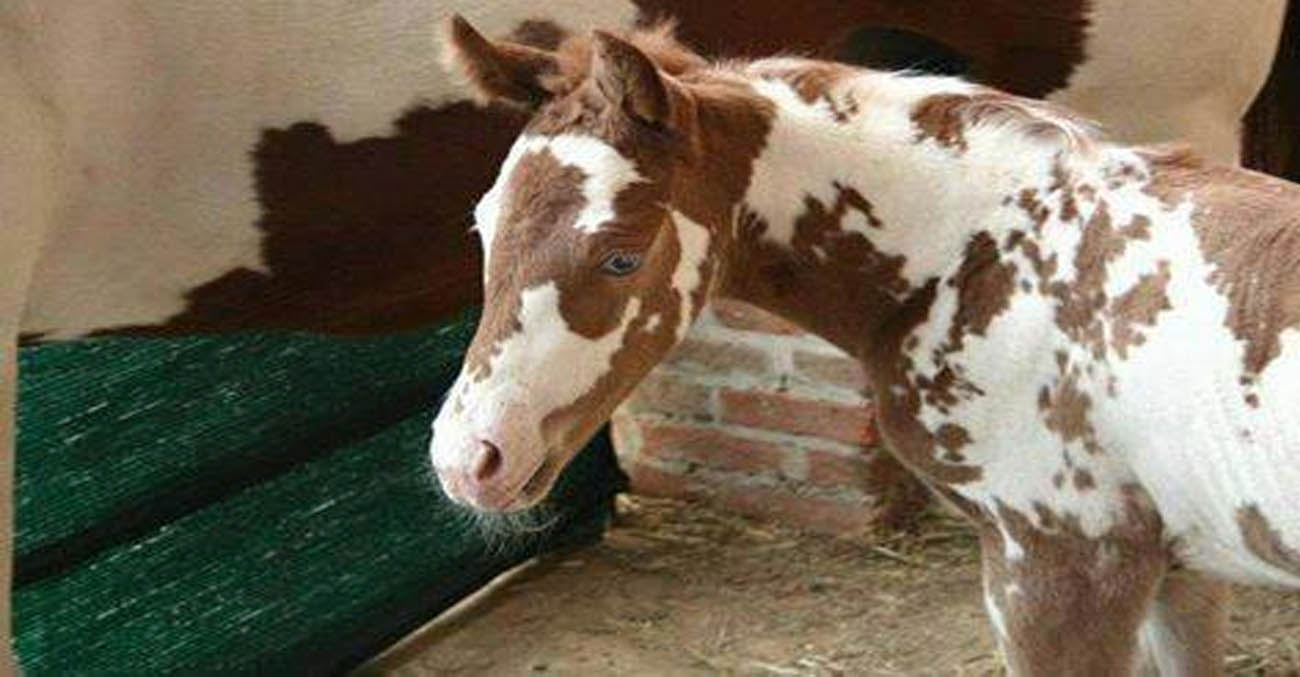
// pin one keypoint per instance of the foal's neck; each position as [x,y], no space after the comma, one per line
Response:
[872,187]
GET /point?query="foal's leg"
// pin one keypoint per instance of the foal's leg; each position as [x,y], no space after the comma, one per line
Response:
[27,182]
[1065,604]
[1186,629]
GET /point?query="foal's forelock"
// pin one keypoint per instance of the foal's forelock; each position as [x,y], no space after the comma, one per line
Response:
[603,174]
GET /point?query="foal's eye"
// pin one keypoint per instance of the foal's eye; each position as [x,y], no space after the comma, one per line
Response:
[619,264]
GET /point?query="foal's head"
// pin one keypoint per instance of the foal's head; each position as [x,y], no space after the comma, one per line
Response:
[591,273]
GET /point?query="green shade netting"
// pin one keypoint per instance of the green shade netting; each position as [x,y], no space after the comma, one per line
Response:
[248,504]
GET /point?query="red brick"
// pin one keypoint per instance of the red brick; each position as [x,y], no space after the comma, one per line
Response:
[902,501]
[776,411]
[740,315]
[837,370]
[649,480]
[709,447]
[831,469]
[899,497]
[666,393]
[697,354]
[824,515]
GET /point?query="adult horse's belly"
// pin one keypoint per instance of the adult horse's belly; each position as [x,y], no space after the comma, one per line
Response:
[1184,71]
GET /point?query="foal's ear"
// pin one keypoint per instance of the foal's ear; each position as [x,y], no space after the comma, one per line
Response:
[499,71]
[626,77]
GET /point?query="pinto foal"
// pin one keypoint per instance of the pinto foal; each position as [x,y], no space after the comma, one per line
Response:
[1089,350]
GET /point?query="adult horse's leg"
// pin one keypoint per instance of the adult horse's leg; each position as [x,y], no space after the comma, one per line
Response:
[27,184]
[1186,628]
[8,376]
[1065,603]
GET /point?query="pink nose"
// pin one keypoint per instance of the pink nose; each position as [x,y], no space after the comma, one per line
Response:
[482,481]
[487,462]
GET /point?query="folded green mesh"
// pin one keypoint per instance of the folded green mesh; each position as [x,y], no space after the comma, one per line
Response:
[308,573]
[118,435]
[279,512]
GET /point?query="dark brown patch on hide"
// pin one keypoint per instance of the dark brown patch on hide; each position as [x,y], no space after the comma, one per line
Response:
[1063,183]
[734,125]
[1067,408]
[360,237]
[714,183]
[1080,301]
[1037,210]
[1026,48]
[819,233]
[984,285]
[942,118]
[1265,541]
[814,82]
[952,438]
[1138,306]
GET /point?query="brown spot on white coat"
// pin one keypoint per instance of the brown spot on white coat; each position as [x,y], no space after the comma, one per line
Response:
[984,285]
[1138,306]
[1265,541]
[1066,407]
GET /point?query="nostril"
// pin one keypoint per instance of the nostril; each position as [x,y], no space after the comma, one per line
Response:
[488,462]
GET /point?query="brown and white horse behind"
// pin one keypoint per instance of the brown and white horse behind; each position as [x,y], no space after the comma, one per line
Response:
[1092,350]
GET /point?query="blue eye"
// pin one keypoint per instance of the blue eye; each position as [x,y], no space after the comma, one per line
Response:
[619,264]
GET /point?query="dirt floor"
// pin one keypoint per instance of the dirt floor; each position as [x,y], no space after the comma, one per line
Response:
[678,589]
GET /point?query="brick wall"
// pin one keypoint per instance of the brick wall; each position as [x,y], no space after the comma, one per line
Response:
[754,415]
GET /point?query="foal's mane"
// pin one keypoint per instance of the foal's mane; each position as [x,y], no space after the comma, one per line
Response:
[943,99]
[972,106]
[1025,118]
